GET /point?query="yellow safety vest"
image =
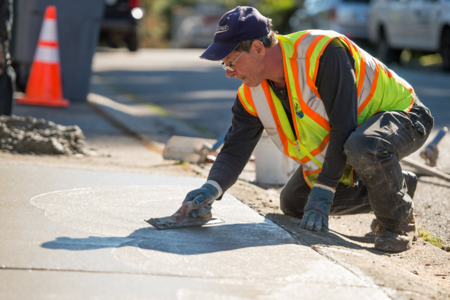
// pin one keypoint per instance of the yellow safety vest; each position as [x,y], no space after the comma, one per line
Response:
[378,89]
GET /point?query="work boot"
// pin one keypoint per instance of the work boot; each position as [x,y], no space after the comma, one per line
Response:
[376,222]
[397,239]
[411,183]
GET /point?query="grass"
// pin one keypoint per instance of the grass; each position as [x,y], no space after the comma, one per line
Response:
[434,240]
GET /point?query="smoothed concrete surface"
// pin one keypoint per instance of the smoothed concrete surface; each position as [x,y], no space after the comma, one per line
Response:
[69,233]
[78,285]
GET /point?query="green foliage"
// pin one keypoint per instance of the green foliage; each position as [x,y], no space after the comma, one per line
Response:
[155,28]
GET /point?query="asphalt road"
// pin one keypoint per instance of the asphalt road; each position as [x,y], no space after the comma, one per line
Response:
[432,85]
[192,89]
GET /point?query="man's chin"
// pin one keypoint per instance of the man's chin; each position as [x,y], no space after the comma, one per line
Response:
[249,83]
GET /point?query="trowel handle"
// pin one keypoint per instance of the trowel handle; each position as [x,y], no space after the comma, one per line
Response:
[219,142]
[438,137]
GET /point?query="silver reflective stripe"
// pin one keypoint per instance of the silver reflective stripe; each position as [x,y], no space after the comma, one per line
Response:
[308,39]
[316,104]
[309,97]
[265,115]
[369,76]
[363,95]
[311,166]
[47,54]
[371,65]
[49,31]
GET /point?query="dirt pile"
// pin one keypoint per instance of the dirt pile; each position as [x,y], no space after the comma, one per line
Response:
[31,135]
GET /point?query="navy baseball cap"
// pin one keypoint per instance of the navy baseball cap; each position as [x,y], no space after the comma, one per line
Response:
[240,24]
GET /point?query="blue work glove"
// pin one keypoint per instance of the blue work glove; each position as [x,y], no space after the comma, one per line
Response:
[317,209]
[203,197]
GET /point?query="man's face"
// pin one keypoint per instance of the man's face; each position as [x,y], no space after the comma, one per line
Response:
[248,68]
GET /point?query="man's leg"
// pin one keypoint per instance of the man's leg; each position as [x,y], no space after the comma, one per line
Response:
[411,184]
[374,151]
[348,200]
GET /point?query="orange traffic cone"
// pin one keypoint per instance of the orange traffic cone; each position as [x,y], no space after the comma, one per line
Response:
[44,85]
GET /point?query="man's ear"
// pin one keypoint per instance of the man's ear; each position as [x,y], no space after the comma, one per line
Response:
[259,48]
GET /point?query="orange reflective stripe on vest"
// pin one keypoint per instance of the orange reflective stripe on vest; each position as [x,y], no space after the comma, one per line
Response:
[246,99]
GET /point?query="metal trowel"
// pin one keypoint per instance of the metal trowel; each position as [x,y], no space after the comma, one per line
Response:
[169,223]
[181,219]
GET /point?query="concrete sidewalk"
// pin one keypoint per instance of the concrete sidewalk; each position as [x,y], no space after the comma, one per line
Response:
[76,233]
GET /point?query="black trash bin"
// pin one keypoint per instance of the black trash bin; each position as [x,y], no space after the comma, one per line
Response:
[78,28]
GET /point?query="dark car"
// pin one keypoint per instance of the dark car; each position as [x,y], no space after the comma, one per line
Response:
[120,23]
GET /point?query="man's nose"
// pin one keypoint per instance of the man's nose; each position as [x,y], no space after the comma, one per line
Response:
[230,73]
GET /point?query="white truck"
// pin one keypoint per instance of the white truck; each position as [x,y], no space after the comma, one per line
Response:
[422,25]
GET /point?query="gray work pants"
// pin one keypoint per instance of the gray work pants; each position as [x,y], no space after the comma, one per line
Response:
[374,150]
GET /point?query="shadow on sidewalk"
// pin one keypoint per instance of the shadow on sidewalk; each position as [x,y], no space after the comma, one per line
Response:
[194,240]
[333,238]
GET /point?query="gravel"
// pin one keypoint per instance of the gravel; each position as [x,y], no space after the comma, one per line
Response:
[24,135]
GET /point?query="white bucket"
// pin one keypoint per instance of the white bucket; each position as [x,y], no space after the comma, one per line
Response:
[272,166]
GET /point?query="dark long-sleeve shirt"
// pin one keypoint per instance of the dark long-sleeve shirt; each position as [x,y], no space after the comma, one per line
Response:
[336,86]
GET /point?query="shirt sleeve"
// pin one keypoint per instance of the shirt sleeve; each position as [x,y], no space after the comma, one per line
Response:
[239,143]
[337,88]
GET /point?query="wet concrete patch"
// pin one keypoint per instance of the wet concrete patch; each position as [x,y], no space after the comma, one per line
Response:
[121,211]
[245,247]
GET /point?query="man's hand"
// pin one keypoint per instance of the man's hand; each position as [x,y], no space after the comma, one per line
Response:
[317,209]
[198,202]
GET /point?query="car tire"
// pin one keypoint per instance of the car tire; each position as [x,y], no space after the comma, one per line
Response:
[445,49]
[133,41]
[385,53]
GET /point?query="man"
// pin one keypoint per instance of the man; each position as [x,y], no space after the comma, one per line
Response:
[330,106]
